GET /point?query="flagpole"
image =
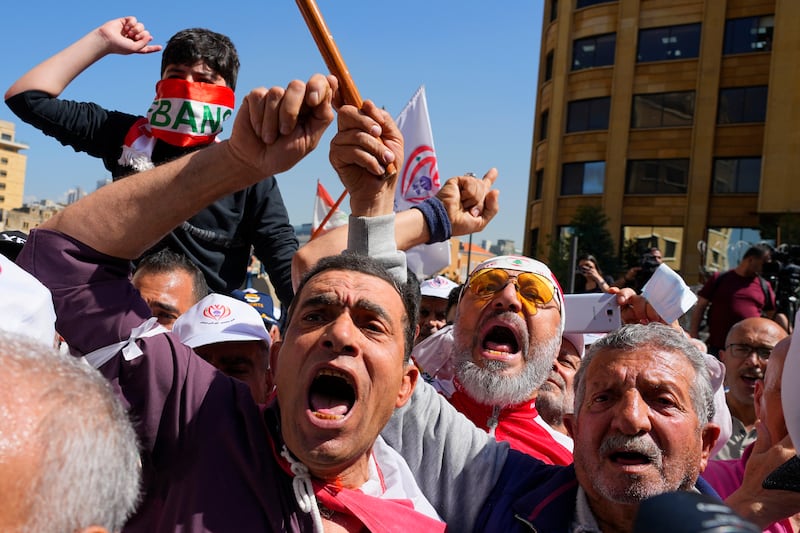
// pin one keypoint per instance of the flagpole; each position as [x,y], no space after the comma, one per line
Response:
[334,61]
[328,216]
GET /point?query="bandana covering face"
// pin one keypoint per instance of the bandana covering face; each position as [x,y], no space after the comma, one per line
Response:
[183,114]
[525,264]
[187,113]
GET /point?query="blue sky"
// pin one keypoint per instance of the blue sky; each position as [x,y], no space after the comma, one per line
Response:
[477,60]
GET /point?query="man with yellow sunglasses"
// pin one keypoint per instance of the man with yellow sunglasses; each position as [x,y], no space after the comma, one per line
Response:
[507,334]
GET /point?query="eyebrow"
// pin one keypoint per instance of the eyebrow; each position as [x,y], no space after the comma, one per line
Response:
[164,306]
[362,304]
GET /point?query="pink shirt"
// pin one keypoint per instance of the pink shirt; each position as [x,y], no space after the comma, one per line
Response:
[725,476]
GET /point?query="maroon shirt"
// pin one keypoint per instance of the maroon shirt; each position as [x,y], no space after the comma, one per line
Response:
[733,298]
[207,448]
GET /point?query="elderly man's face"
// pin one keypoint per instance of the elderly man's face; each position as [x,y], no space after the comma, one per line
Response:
[636,431]
[504,349]
[557,395]
[340,371]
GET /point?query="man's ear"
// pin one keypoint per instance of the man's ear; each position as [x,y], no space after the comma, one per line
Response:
[410,376]
[569,423]
[710,434]
[274,351]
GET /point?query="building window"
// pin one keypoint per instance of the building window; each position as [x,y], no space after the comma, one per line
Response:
[3,173]
[657,176]
[543,123]
[671,42]
[590,114]
[586,3]
[4,160]
[741,175]
[670,248]
[662,110]
[5,136]
[750,34]
[548,66]
[553,10]
[597,51]
[537,194]
[583,178]
[742,104]
[2,186]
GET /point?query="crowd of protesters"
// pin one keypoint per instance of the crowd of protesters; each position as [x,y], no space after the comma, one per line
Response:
[141,392]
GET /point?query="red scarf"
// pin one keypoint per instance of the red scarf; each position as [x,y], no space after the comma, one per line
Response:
[378,515]
[187,113]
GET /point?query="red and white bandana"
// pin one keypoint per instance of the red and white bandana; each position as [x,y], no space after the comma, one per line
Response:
[183,114]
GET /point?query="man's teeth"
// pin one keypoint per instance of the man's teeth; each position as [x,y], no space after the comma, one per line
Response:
[327,416]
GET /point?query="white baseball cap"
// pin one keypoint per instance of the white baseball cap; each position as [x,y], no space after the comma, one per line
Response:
[26,306]
[220,318]
[438,287]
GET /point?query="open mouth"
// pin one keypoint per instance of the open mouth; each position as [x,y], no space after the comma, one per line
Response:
[629,458]
[500,340]
[331,395]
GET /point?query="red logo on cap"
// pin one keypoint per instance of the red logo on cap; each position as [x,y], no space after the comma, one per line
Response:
[216,311]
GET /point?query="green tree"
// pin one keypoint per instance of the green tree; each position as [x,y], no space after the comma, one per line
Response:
[589,226]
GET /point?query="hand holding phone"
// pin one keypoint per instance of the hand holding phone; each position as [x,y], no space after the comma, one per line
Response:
[591,313]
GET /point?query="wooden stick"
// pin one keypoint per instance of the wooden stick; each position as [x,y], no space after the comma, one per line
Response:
[328,216]
[333,60]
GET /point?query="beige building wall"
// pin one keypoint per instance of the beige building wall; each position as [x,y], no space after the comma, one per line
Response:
[697,213]
[12,167]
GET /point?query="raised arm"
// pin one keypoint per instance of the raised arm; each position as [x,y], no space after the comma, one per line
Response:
[469,204]
[273,130]
[123,36]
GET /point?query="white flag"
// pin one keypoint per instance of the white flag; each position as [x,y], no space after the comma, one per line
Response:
[419,175]
[323,203]
[419,180]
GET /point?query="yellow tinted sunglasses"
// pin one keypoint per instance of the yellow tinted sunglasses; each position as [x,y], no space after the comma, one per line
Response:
[534,290]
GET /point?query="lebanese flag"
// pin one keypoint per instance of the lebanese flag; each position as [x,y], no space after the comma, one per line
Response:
[323,203]
[419,179]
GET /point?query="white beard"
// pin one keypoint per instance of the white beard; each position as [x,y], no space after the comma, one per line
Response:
[487,385]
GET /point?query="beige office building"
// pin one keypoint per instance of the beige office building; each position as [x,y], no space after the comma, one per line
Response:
[679,118]
[12,167]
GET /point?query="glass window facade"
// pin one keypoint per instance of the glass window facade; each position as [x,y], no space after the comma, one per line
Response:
[738,175]
[749,34]
[657,176]
[590,114]
[595,51]
[583,178]
[662,110]
[742,104]
[669,42]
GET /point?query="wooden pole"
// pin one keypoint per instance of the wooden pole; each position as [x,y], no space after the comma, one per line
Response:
[333,60]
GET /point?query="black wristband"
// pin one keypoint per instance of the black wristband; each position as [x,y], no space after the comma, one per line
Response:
[436,218]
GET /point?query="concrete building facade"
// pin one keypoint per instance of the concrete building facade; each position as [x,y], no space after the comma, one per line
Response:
[678,117]
[12,167]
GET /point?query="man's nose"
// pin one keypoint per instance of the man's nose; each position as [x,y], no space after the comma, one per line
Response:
[508,297]
[632,416]
[340,336]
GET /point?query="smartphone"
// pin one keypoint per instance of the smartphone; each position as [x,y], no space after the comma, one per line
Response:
[591,313]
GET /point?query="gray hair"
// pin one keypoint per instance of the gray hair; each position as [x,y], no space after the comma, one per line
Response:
[85,447]
[637,336]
